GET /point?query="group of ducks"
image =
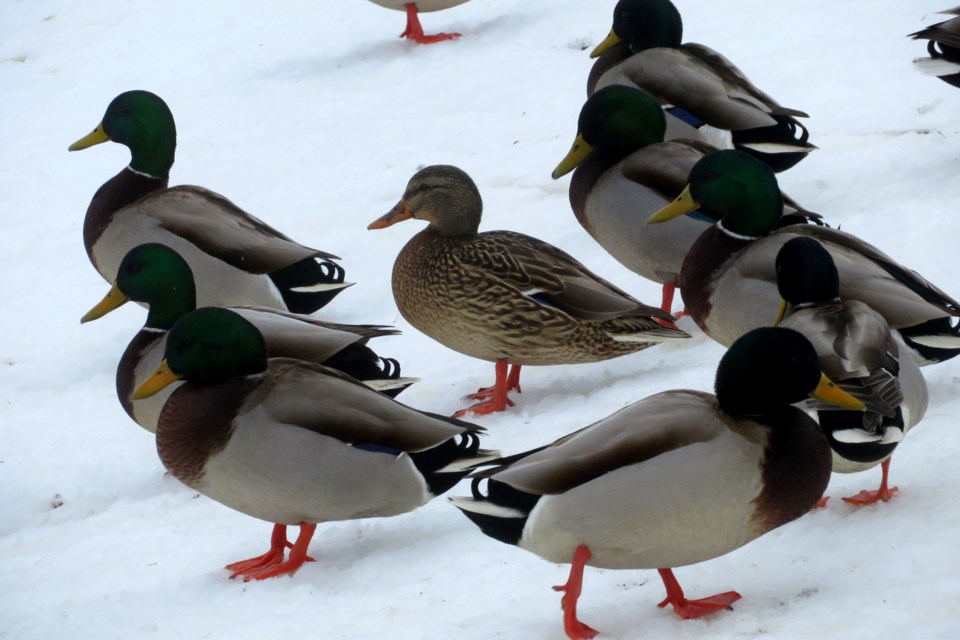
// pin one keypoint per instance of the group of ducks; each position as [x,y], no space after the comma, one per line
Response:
[293,420]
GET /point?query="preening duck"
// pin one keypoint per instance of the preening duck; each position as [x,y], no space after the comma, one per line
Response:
[156,276]
[293,442]
[237,259]
[503,296]
[674,479]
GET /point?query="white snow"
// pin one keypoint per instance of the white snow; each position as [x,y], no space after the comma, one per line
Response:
[313,115]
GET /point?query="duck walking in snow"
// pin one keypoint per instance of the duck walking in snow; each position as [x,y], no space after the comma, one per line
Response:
[293,442]
[504,296]
[237,259]
[674,479]
[697,85]
[859,352]
[414,30]
[156,276]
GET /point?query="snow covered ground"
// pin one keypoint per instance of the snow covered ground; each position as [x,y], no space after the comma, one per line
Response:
[313,115]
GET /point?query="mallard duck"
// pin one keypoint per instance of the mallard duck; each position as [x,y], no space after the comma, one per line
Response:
[504,296]
[697,85]
[729,283]
[293,442]
[859,352]
[414,30]
[943,47]
[624,171]
[237,258]
[156,275]
[677,478]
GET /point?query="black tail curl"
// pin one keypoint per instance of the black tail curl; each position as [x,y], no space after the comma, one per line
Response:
[306,273]
[431,461]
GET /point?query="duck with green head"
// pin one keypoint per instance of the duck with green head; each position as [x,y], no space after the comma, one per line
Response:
[624,170]
[155,275]
[728,280]
[293,442]
[236,258]
[861,354]
[698,86]
[677,478]
[503,296]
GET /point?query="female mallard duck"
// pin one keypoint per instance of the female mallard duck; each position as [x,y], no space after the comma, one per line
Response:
[237,258]
[414,30]
[503,296]
[943,47]
[700,86]
[858,351]
[293,442]
[624,171]
[156,276]
[677,478]
[729,283]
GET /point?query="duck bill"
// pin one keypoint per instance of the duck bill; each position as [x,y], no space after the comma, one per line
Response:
[114,298]
[577,154]
[95,137]
[160,379]
[828,391]
[399,213]
[608,43]
[684,203]
[781,311]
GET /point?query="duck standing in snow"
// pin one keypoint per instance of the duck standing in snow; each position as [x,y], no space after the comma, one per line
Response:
[237,259]
[503,296]
[156,276]
[293,442]
[674,479]
[414,30]
[729,283]
[697,85]
[859,352]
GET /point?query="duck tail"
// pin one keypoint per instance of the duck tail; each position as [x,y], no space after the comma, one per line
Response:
[444,465]
[361,362]
[501,514]
[779,145]
[309,284]
[933,341]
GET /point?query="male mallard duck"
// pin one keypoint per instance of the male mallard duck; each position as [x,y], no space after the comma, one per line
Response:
[700,86]
[414,30]
[624,172]
[293,442]
[677,478]
[729,283]
[504,296]
[858,351]
[156,276]
[943,47]
[237,258]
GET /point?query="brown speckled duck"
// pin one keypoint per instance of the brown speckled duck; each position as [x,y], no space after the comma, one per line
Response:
[155,275]
[294,442]
[674,479]
[237,259]
[504,296]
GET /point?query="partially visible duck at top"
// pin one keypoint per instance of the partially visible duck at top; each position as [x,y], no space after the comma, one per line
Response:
[944,48]
[414,30]
[728,280]
[156,276]
[294,442]
[859,352]
[696,84]
[624,170]
[236,258]
[503,296]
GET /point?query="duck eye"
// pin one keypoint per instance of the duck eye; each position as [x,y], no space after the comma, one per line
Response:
[422,188]
[184,345]
[136,267]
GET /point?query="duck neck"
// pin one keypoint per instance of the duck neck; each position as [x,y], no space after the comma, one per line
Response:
[122,190]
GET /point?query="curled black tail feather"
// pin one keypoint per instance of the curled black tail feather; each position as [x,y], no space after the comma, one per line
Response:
[504,529]
[306,273]
[430,461]
[788,131]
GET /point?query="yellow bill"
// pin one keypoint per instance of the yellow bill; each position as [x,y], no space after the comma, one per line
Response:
[828,391]
[95,137]
[684,203]
[158,380]
[399,213]
[608,43]
[114,298]
[781,311]
[577,154]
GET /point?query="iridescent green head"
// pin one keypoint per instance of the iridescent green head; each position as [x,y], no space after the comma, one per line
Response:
[141,121]
[806,272]
[213,344]
[643,24]
[615,121]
